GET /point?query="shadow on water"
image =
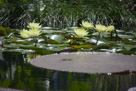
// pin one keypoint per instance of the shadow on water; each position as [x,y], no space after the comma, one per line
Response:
[16,72]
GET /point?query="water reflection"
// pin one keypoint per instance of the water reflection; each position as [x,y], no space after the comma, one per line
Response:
[16,72]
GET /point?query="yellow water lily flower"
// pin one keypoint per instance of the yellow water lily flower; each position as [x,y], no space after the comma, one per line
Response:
[24,33]
[80,32]
[34,33]
[33,25]
[110,29]
[87,25]
[100,28]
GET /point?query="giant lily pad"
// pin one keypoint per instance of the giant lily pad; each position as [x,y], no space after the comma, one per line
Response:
[10,89]
[87,62]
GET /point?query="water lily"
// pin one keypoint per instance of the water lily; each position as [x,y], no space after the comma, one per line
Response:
[33,25]
[110,29]
[81,33]
[87,25]
[100,28]
[24,33]
[34,32]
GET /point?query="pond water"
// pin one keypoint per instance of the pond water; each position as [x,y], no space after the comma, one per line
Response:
[16,72]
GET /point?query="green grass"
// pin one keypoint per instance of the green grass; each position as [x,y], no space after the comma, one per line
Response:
[68,13]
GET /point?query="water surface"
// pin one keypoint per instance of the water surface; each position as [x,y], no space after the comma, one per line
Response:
[16,72]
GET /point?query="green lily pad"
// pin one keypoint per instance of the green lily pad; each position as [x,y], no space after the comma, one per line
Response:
[71,28]
[58,38]
[126,52]
[82,46]
[100,41]
[5,31]
[22,51]
[128,41]
[58,45]
[50,28]
[127,47]
[133,49]
[11,46]
[123,36]
[101,46]
[57,49]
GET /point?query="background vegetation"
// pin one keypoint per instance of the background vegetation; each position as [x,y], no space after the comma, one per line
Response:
[67,13]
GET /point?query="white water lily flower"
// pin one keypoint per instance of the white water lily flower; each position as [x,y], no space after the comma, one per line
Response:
[87,25]
[100,28]
[34,33]
[33,25]
[24,33]
[110,29]
[81,33]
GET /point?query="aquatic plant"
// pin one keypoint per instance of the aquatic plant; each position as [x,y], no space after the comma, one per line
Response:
[24,33]
[34,32]
[100,28]
[110,28]
[33,25]
[81,33]
[87,25]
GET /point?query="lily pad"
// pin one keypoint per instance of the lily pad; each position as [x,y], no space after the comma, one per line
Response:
[123,36]
[87,62]
[58,38]
[100,41]
[125,52]
[50,28]
[21,51]
[101,46]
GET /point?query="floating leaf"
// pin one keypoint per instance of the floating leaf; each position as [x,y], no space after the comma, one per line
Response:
[125,52]
[101,46]
[82,46]
[133,49]
[58,38]
[50,28]
[57,49]
[58,45]
[21,51]
[127,41]
[11,46]
[123,36]
[100,41]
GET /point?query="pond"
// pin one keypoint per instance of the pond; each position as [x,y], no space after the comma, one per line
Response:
[16,72]
[16,52]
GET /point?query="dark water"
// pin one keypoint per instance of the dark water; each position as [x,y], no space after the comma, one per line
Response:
[16,72]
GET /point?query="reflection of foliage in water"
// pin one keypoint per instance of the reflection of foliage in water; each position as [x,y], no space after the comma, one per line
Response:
[15,72]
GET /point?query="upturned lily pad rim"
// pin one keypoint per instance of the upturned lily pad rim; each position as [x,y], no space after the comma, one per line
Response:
[65,53]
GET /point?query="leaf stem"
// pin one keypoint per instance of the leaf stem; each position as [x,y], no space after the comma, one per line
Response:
[111,36]
[98,37]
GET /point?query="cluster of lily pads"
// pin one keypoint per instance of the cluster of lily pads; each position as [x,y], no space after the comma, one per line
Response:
[88,37]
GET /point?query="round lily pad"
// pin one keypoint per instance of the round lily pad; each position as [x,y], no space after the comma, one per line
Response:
[87,62]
